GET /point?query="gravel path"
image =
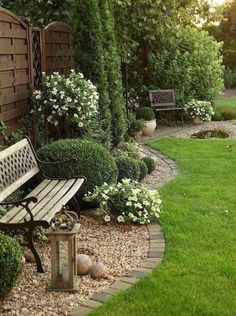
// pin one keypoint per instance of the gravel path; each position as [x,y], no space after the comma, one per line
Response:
[121,248]
[188,130]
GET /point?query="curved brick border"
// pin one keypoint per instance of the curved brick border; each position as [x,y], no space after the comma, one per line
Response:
[155,255]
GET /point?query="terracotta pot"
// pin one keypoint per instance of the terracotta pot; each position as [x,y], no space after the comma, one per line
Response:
[150,127]
[197,120]
[137,134]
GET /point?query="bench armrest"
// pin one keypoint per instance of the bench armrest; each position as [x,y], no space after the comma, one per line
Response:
[24,203]
[68,162]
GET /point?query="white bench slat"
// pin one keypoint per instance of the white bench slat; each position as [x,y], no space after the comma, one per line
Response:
[69,194]
[52,198]
[17,210]
[50,191]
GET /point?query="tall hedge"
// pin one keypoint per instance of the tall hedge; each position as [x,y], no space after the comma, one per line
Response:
[90,55]
[112,66]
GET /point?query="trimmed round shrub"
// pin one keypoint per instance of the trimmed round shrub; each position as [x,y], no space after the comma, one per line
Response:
[93,162]
[10,263]
[128,168]
[150,163]
[143,169]
[145,113]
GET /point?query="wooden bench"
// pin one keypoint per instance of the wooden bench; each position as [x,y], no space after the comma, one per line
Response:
[164,100]
[18,164]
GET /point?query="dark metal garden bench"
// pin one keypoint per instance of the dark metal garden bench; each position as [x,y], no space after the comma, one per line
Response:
[164,100]
[18,164]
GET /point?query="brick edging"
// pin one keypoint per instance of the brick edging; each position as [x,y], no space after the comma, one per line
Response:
[155,255]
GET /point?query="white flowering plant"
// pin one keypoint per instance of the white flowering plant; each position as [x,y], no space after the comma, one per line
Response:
[203,109]
[127,201]
[72,99]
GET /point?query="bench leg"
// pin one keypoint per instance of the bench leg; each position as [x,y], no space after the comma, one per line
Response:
[29,236]
[182,119]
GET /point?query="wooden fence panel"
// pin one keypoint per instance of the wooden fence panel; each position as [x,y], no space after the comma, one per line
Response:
[58,48]
[15,69]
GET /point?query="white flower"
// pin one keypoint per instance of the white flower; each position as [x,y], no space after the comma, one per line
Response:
[107,218]
[128,203]
[76,115]
[81,124]
[120,219]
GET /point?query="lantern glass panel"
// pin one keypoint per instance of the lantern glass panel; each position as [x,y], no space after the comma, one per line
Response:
[63,261]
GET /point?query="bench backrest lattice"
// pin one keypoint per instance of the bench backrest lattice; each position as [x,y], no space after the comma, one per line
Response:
[162,98]
[17,165]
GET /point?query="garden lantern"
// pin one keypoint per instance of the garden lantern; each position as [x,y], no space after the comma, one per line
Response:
[63,259]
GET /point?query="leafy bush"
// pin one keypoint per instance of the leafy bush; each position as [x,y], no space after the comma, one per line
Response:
[10,263]
[128,168]
[143,169]
[93,161]
[150,163]
[127,201]
[145,113]
[202,109]
[191,63]
[126,148]
[136,126]
[230,78]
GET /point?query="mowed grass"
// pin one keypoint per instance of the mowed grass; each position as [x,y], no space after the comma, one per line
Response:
[226,108]
[198,273]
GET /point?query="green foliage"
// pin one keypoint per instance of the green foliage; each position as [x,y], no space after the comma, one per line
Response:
[90,55]
[143,169]
[191,64]
[93,161]
[53,10]
[10,263]
[128,168]
[150,163]
[225,109]
[145,113]
[112,66]
[230,77]
[126,148]
[136,125]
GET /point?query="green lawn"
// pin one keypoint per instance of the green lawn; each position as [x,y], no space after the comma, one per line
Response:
[198,273]
[226,108]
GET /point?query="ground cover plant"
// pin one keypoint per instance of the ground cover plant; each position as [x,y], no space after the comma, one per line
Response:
[198,273]
[225,108]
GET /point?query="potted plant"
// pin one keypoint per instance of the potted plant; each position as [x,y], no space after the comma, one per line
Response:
[148,115]
[199,111]
[136,128]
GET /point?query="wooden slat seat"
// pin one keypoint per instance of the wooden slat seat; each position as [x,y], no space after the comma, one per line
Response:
[51,195]
[18,164]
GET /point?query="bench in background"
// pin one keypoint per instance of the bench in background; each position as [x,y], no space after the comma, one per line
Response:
[164,100]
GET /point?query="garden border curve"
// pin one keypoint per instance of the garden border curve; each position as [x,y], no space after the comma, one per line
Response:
[155,256]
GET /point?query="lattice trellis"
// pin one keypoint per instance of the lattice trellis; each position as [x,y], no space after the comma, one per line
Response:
[14,166]
[37,58]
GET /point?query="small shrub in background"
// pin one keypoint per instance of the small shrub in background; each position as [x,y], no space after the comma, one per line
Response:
[150,163]
[10,263]
[127,201]
[143,169]
[93,161]
[128,168]
[126,148]
[230,78]
[145,113]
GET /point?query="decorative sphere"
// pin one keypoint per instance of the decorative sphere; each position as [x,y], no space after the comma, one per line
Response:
[98,270]
[83,264]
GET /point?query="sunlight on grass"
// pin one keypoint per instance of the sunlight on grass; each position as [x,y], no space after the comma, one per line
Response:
[198,273]
[226,108]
